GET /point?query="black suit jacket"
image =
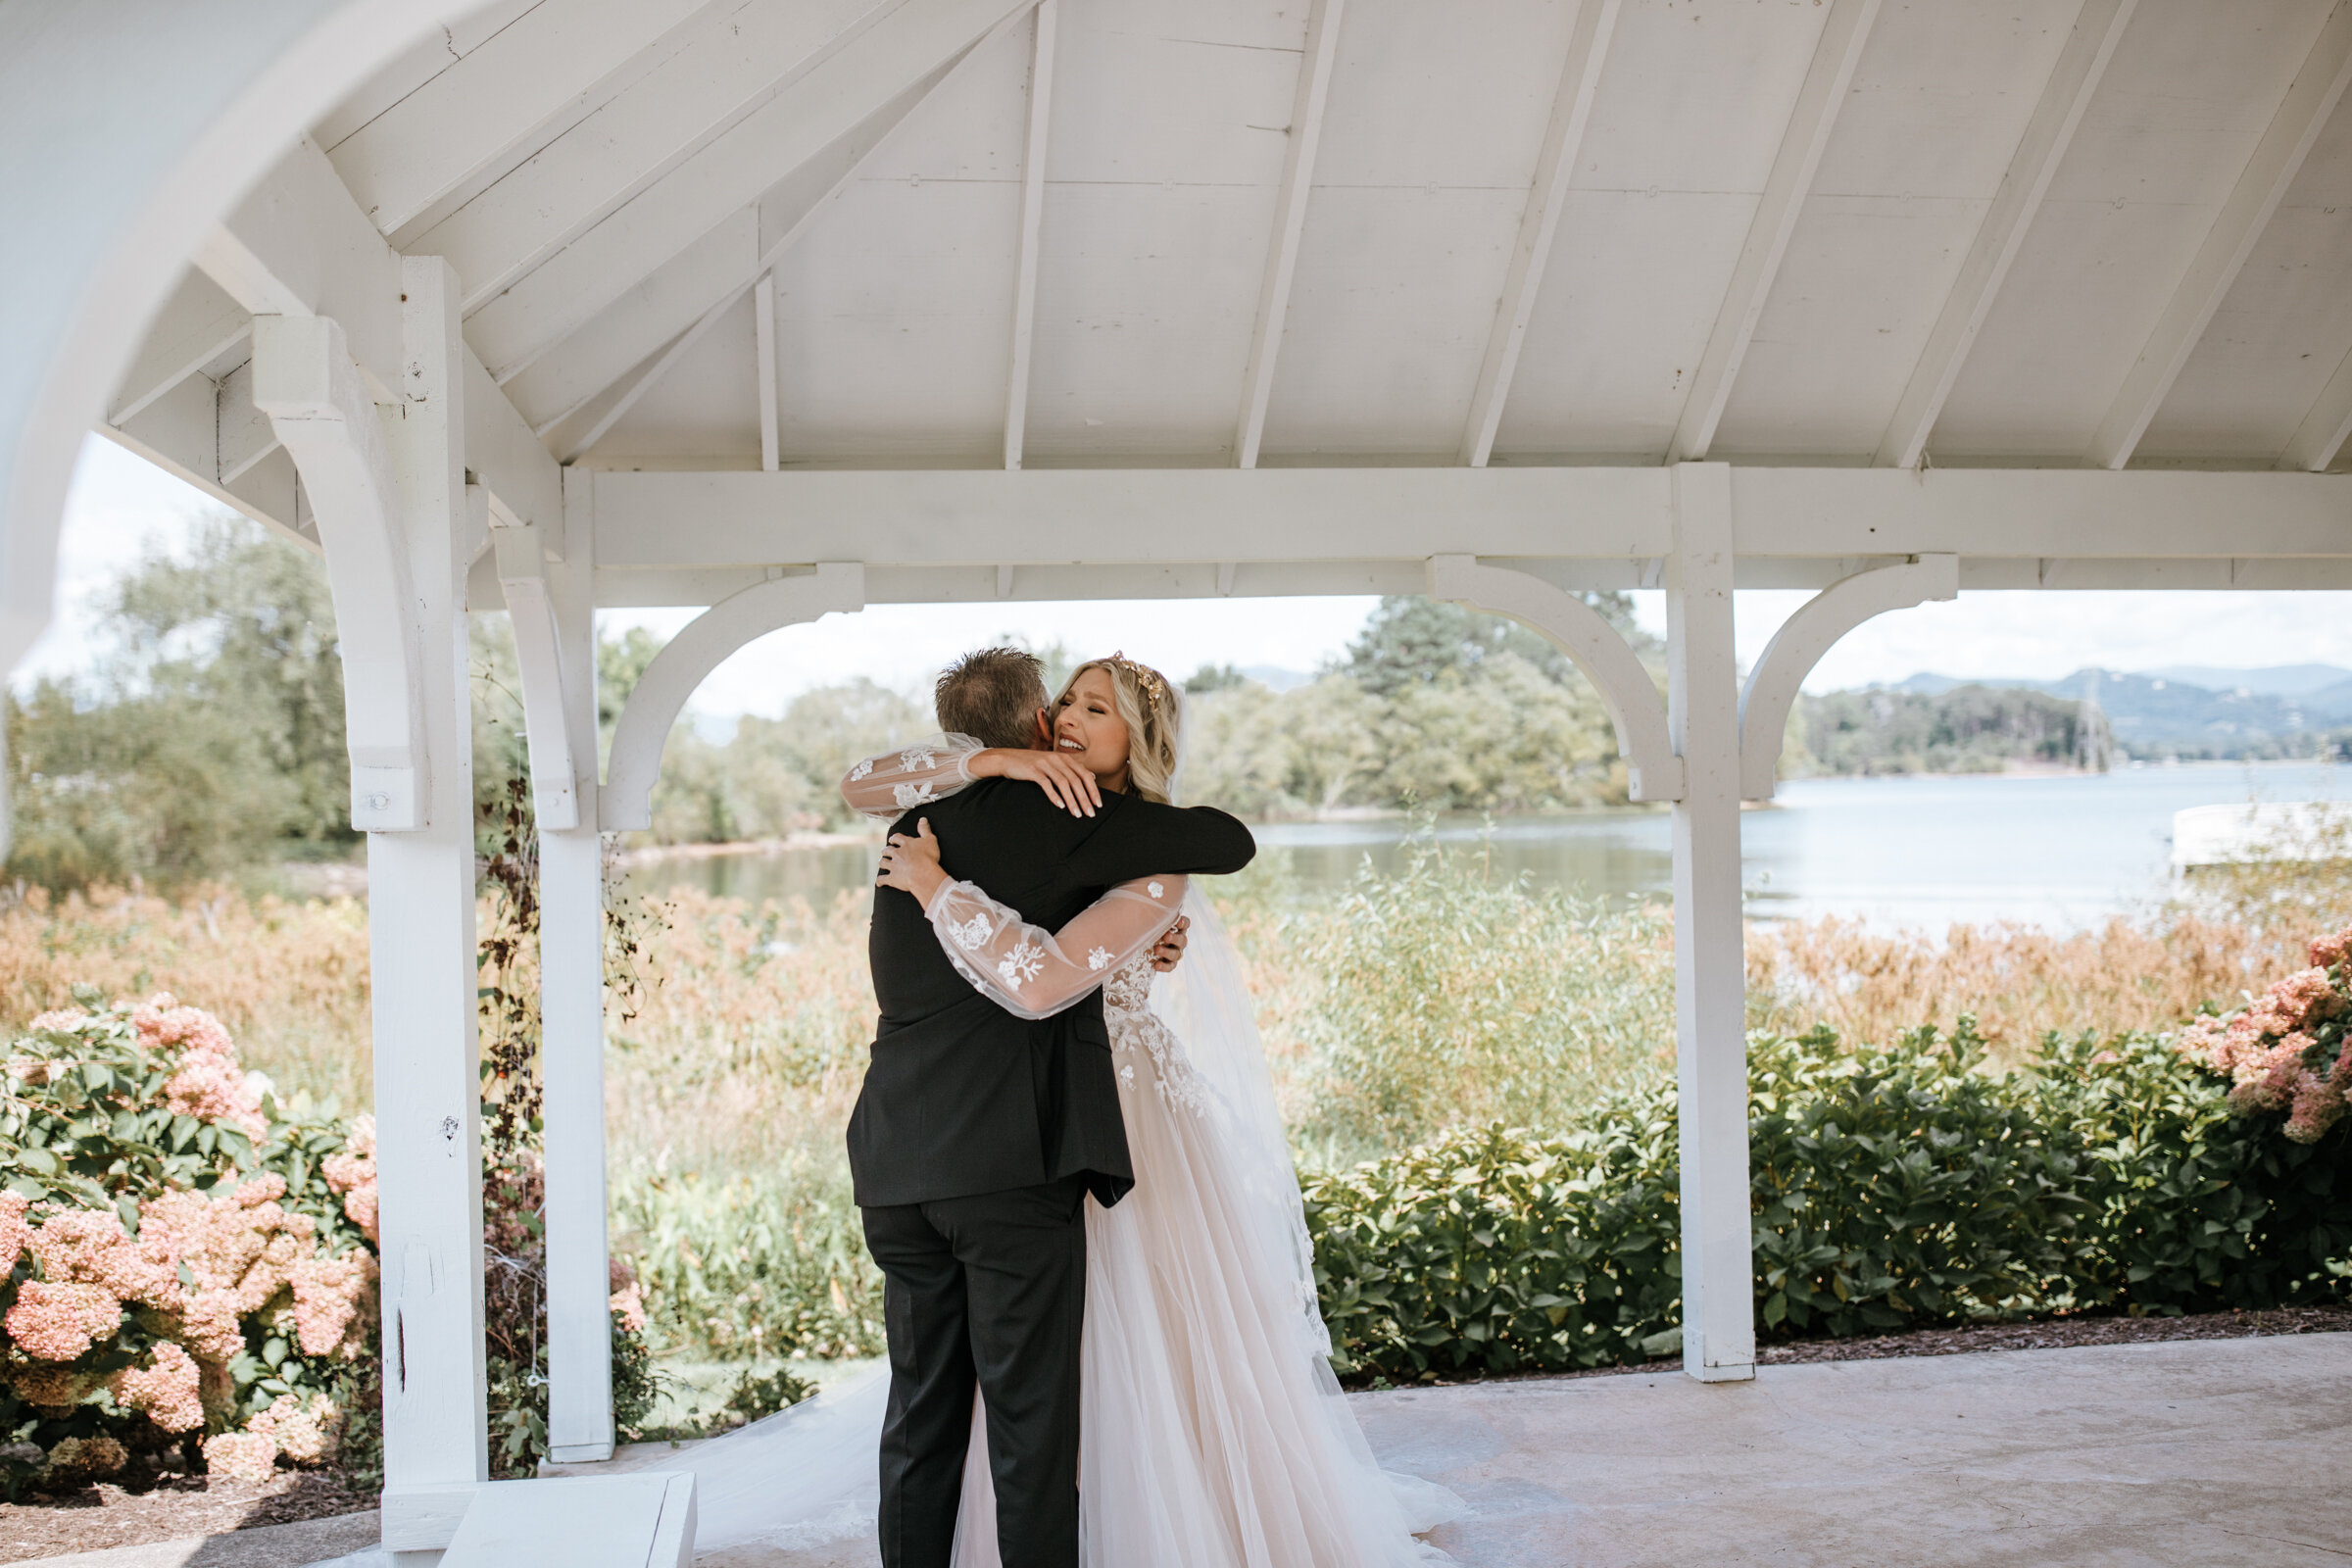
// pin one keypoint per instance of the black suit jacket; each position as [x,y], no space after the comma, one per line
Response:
[961,1096]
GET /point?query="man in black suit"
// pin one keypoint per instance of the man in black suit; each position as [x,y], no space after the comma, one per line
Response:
[978,1135]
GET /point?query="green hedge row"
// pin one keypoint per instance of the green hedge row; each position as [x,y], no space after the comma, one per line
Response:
[1899,1189]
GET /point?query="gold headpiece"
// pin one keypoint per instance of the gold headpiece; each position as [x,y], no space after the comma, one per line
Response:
[1153,687]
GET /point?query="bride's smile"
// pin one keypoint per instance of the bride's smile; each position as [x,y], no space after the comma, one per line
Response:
[1088,728]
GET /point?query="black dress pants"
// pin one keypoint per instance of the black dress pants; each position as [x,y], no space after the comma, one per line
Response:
[988,1289]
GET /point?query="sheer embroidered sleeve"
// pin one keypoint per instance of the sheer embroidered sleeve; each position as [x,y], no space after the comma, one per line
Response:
[889,783]
[1035,973]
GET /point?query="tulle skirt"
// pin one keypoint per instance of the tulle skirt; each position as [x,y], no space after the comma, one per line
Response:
[1215,1436]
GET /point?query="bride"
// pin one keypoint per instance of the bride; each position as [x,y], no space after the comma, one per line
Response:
[1213,1433]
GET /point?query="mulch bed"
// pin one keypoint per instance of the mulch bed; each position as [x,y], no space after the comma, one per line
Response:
[174,1508]
[181,1506]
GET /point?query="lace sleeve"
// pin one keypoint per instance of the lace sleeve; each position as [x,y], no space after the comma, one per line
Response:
[889,783]
[1033,973]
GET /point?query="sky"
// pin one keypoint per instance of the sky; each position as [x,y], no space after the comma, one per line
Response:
[121,509]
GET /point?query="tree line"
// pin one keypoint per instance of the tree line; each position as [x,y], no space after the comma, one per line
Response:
[207,741]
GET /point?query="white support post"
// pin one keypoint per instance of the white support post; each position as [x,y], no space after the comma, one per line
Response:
[421,943]
[571,1029]
[1702,702]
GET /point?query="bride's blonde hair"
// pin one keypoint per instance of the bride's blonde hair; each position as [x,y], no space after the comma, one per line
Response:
[1151,711]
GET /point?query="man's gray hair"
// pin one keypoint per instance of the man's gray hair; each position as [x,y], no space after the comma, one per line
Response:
[993,694]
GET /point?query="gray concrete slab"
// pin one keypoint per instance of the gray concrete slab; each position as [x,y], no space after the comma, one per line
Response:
[2166,1455]
[289,1545]
[2217,1451]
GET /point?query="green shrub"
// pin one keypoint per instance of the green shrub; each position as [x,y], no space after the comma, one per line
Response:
[743,1268]
[1902,1188]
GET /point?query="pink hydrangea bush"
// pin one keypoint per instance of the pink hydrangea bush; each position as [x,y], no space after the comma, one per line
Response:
[181,1261]
[2291,1049]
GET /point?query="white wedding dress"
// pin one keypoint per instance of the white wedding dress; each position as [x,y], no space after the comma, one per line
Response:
[1214,1434]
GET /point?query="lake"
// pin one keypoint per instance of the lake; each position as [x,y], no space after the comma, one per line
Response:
[2060,851]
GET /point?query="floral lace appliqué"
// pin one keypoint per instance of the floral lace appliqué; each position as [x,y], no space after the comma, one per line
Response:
[915,757]
[1097,960]
[1127,1007]
[969,934]
[864,766]
[914,794]
[1022,965]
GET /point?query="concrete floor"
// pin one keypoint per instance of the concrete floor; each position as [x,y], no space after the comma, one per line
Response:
[2175,1455]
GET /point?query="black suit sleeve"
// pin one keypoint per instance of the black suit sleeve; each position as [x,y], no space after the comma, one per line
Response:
[1144,837]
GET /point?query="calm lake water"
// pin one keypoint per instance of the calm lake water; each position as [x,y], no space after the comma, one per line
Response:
[2060,851]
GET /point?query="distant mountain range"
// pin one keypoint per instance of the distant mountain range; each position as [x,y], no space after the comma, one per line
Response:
[2194,710]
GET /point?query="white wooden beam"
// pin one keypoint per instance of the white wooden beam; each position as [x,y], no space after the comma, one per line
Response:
[1702,702]
[787,212]
[1290,222]
[1653,772]
[763,347]
[420,919]
[180,432]
[199,323]
[1773,685]
[660,693]
[666,522]
[1555,169]
[516,91]
[642,135]
[299,246]
[522,576]
[305,383]
[1033,211]
[571,966]
[2326,428]
[2313,95]
[915,41]
[1843,33]
[2082,62]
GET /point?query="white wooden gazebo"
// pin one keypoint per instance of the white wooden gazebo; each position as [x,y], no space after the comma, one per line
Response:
[788,307]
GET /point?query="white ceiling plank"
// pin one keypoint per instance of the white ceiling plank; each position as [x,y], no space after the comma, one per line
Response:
[2074,80]
[913,43]
[420,63]
[2318,85]
[197,324]
[243,432]
[1571,113]
[1033,212]
[788,211]
[642,135]
[1290,221]
[2326,428]
[496,104]
[1038,517]
[1843,33]
[764,326]
[563,381]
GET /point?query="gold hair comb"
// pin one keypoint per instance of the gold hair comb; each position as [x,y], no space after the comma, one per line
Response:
[1154,688]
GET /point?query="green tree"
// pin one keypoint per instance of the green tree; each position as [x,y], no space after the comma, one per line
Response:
[1411,640]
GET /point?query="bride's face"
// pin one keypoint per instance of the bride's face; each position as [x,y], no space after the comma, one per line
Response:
[1087,729]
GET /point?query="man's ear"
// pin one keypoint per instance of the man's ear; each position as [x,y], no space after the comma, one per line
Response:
[1044,732]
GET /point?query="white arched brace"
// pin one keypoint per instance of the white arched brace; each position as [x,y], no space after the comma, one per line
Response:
[538,659]
[706,641]
[1808,634]
[1653,771]
[305,380]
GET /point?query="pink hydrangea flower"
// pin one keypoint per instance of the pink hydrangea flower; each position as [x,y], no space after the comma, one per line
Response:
[2330,951]
[352,1174]
[58,1322]
[14,1233]
[629,1303]
[241,1455]
[328,1295]
[167,1390]
[209,1083]
[304,1435]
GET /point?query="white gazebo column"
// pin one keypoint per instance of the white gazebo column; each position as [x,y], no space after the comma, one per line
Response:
[420,919]
[571,1023]
[1719,1337]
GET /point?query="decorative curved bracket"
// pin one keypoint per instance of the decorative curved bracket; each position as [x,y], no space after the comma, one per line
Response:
[1654,772]
[305,380]
[1808,634]
[660,693]
[538,659]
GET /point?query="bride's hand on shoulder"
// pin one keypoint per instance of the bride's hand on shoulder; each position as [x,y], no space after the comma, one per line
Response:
[910,862]
[1065,783]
